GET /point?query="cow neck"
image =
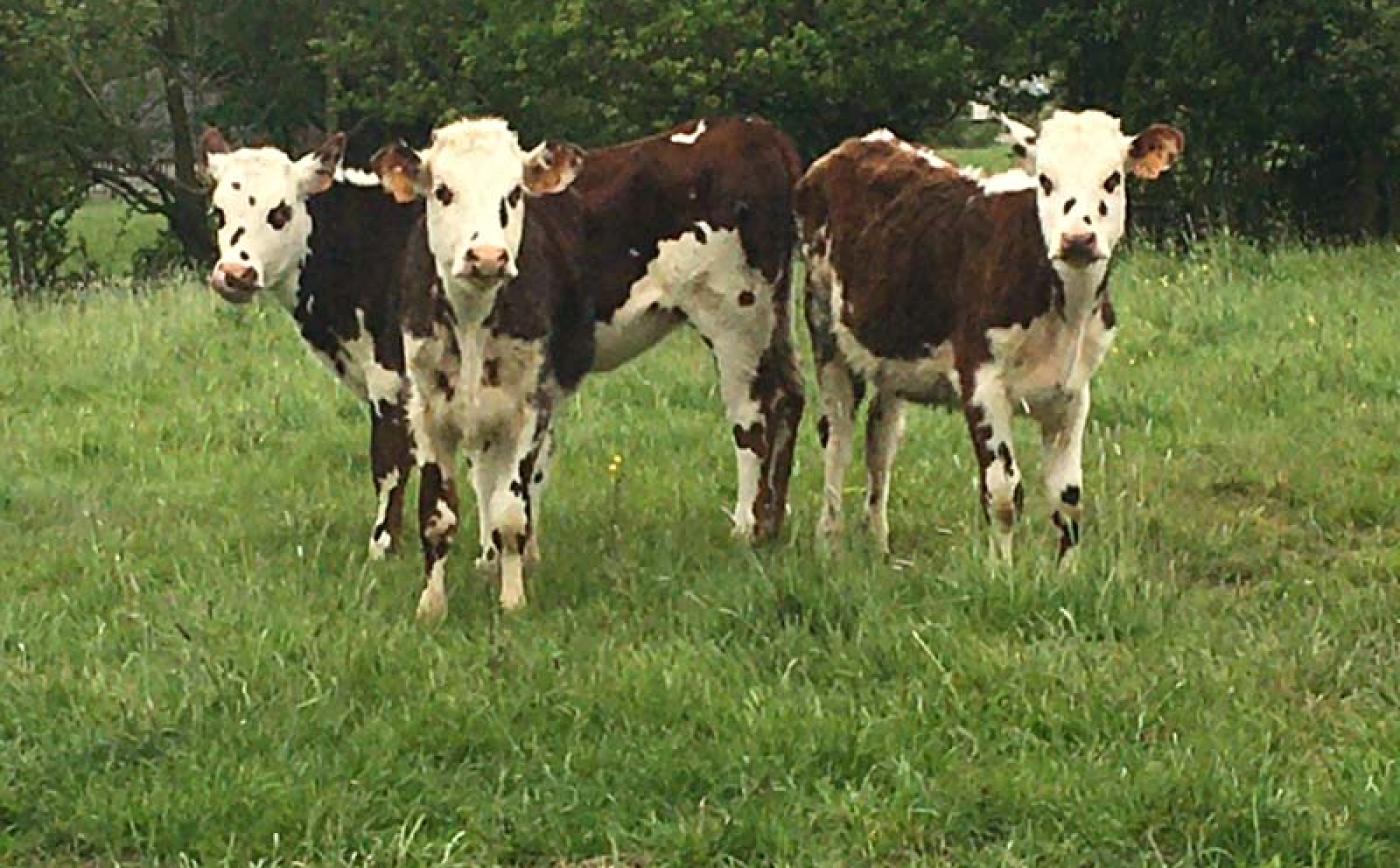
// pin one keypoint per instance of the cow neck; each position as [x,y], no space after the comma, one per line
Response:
[469,310]
[1080,289]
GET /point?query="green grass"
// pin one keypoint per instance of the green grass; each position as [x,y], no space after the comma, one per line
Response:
[111,233]
[196,663]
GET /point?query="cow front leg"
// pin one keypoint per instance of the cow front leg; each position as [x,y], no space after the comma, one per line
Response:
[501,475]
[884,427]
[1062,433]
[391,459]
[537,477]
[437,527]
[988,411]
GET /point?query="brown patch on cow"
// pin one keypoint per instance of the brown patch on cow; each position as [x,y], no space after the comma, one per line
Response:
[746,298]
[444,384]
[491,372]
[1155,150]
[750,438]
[823,431]
[1110,319]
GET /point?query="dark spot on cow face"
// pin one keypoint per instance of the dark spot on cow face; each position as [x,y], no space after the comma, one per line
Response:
[1047,186]
[1103,209]
[1113,181]
[243,255]
[746,299]
[443,195]
[280,216]
[750,438]
[1069,205]
[505,214]
[823,431]
[491,372]
[237,186]
[1070,496]
[514,198]
[252,202]
[237,235]
[1004,453]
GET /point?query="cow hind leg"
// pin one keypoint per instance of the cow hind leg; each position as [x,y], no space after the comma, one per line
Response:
[391,459]
[840,397]
[884,427]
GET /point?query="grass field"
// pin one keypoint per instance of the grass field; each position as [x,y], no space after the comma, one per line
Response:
[197,663]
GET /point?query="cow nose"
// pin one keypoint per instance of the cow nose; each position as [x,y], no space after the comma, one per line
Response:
[234,280]
[485,261]
[1079,247]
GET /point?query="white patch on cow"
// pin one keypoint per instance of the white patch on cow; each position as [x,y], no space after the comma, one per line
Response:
[356,177]
[381,542]
[373,380]
[923,153]
[1010,181]
[880,135]
[432,603]
[689,138]
[1056,353]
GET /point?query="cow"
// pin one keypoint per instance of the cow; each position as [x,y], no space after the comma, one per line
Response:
[691,226]
[939,285]
[327,244]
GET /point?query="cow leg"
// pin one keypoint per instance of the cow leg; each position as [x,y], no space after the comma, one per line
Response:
[501,476]
[988,411]
[537,477]
[1062,432]
[391,459]
[437,527]
[884,427]
[840,397]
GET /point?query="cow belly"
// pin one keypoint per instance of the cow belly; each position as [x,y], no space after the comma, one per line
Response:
[635,327]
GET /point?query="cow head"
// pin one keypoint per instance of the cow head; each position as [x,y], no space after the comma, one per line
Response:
[475,176]
[1079,161]
[259,200]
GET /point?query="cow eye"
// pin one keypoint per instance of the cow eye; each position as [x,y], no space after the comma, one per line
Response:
[514,198]
[1047,185]
[443,194]
[279,216]
[1113,181]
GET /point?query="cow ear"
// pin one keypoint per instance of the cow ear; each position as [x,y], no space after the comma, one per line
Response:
[1155,150]
[317,169]
[552,167]
[401,172]
[212,148]
[1021,138]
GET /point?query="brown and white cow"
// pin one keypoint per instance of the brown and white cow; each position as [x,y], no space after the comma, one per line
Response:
[938,285]
[690,226]
[328,245]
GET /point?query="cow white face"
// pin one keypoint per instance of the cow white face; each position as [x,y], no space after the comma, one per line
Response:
[259,201]
[1080,161]
[475,177]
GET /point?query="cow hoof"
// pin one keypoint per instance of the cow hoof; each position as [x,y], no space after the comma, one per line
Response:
[743,531]
[432,607]
[381,545]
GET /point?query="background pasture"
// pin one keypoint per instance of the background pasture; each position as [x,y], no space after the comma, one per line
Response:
[197,663]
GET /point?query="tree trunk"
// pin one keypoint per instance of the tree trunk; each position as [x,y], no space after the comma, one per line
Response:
[185,212]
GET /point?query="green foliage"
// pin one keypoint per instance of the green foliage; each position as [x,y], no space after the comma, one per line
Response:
[1291,110]
[197,664]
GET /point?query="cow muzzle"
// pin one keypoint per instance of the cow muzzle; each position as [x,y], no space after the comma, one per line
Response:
[486,264]
[1080,249]
[235,282]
